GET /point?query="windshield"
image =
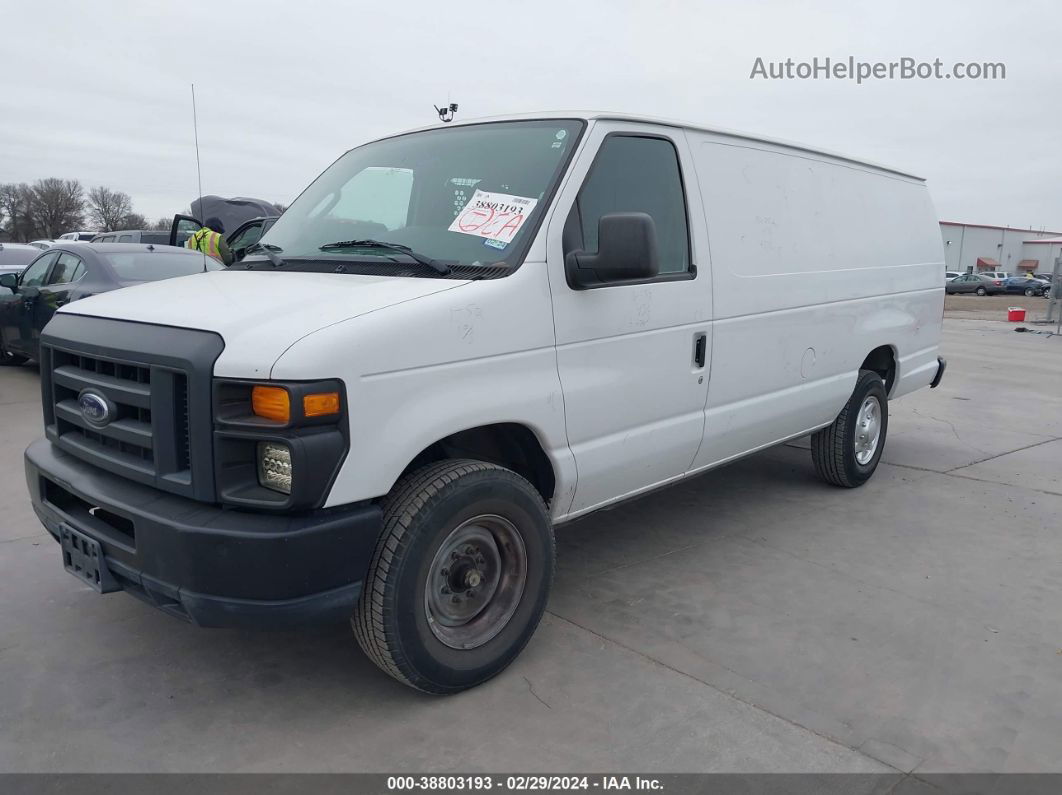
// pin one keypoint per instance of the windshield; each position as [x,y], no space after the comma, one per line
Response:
[463,195]
[150,266]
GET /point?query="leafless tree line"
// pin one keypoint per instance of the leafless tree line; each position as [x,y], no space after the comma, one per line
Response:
[50,207]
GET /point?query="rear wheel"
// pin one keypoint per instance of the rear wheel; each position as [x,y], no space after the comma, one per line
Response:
[981,291]
[1030,292]
[847,452]
[460,576]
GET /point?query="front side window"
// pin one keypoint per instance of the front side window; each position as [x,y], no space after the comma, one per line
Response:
[635,174]
[467,195]
[66,269]
[35,274]
[247,237]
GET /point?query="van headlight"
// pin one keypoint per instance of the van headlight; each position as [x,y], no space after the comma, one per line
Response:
[274,466]
[278,445]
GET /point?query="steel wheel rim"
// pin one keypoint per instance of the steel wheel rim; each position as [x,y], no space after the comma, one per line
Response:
[867,430]
[475,582]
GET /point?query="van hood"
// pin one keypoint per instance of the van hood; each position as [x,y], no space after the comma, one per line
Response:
[259,314]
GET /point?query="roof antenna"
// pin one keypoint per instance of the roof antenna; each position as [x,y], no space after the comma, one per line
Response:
[446,112]
[198,167]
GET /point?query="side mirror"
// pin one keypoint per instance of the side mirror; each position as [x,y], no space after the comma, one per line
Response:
[10,281]
[626,251]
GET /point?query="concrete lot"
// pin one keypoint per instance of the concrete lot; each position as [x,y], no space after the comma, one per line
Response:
[751,619]
[994,307]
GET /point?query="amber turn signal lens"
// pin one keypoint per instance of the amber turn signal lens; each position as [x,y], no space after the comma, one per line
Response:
[271,402]
[320,404]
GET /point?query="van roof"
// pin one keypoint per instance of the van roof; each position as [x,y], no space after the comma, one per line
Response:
[592,115]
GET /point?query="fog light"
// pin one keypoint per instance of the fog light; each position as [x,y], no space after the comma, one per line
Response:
[274,466]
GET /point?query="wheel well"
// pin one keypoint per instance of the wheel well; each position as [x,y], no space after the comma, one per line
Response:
[882,361]
[507,444]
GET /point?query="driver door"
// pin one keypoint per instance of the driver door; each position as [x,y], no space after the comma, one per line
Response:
[183,227]
[632,357]
[18,319]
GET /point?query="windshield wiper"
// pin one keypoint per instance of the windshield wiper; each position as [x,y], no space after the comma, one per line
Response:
[268,250]
[439,267]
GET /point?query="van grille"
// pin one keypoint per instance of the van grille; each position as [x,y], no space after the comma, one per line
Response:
[157,382]
[131,441]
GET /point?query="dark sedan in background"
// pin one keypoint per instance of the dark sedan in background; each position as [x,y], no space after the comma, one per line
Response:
[1022,285]
[69,271]
[974,283]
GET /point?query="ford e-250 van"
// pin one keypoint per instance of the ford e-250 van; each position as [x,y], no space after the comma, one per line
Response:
[459,337]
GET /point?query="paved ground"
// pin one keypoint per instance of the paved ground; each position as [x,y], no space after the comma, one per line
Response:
[748,620]
[994,307]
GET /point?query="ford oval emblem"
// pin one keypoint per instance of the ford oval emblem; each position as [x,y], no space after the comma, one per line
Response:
[95,408]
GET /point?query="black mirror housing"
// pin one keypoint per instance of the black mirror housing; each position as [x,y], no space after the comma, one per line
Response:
[626,251]
[10,281]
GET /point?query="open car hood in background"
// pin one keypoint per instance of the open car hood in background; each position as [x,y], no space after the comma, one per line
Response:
[232,212]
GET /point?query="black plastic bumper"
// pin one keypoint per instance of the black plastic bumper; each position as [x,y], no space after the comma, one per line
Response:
[942,365]
[212,566]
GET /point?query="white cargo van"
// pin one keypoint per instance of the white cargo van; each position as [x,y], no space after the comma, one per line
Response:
[459,337]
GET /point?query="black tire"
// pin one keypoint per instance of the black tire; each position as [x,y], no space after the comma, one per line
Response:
[421,515]
[981,291]
[833,449]
[1029,292]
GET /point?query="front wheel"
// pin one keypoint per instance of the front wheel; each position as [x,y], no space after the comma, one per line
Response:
[1029,292]
[847,452]
[460,576]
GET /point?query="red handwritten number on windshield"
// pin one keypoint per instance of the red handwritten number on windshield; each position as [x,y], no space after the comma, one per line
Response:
[474,220]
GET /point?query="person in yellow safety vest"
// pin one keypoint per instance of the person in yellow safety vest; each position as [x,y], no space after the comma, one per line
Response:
[1028,274]
[211,241]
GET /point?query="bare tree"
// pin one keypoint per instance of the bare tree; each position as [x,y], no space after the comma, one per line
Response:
[15,206]
[108,208]
[57,206]
[162,225]
[133,220]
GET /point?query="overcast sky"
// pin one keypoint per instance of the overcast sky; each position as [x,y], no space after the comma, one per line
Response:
[100,91]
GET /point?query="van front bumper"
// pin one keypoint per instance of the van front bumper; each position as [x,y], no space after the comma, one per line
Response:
[212,566]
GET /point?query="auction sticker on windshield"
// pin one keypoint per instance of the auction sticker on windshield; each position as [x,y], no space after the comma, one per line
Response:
[494,216]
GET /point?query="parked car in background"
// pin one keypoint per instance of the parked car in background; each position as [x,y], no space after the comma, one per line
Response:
[1001,275]
[1022,285]
[949,275]
[41,244]
[133,236]
[974,283]
[16,256]
[83,235]
[73,270]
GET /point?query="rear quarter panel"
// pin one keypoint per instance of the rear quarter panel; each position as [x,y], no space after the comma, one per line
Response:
[816,261]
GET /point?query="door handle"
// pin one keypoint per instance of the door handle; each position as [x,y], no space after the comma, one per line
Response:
[700,346]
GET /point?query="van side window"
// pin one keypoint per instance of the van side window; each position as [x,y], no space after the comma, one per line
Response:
[637,174]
